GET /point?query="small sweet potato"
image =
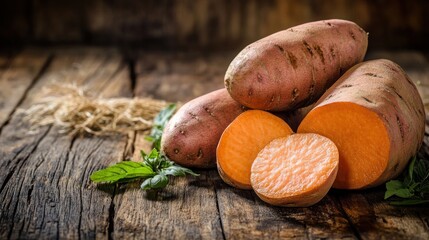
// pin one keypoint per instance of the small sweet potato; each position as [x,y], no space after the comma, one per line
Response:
[191,136]
[293,68]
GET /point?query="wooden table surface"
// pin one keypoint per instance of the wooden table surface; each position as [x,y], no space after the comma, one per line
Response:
[45,191]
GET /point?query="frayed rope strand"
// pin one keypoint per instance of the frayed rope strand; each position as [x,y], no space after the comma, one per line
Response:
[74,111]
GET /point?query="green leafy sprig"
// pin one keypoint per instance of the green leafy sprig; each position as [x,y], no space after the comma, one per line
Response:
[413,187]
[159,123]
[155,168]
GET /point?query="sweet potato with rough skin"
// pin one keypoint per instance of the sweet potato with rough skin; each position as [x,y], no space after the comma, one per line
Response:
[192,134]
[293,68]
[295,171]
[375,116]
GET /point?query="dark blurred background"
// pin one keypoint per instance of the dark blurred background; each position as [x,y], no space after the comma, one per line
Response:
[203,24]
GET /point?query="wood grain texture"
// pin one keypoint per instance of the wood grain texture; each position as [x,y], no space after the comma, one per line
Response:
[208,24]
[187,209]
[245,216]
[46,192]
[374,218]
[17,78]
[180,76]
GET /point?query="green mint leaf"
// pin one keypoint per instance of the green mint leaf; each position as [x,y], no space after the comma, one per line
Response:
[412,186]
[404,193]
[392,187]
[155,166]
[162,118]
[153,154]
[122,171]
[165,162]
[174,171]
[142,154]
[159,123]
[156,182]
[149,138]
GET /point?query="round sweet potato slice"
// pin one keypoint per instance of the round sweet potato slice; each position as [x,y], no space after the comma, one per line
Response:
[295,171]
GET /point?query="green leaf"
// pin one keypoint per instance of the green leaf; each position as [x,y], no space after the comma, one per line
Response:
[142,154]
[404,193]
[421,169]
[122,171]
[413,186]
[411,168]
[409,202]
[156,182]
[158,126]
[153,154]
[177,170]
[155,166]
[392,187]
[162,118]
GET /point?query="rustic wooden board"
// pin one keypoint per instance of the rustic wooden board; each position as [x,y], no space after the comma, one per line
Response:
[188,208]
[17,78]
[180,76]
[205,23]
[45,190]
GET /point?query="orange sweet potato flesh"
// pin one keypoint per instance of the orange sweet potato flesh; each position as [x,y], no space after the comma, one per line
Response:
[242,140]
[293,68]
[295,171]
[375,116]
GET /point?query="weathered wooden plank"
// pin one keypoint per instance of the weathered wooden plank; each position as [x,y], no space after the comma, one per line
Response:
[373,217]
[47,192]
[186,209]
[5,60]
[206,23]
[18,78]
[180,76]
[245,216]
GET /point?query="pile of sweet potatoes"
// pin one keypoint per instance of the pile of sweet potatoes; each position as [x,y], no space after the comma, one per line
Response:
[357,123]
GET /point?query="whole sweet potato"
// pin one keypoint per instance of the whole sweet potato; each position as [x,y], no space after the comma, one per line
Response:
[191,136]
[293,68]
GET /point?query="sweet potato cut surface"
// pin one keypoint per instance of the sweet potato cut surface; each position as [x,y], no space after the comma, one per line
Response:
[242,140]
[361,136]
[295,171]
[375,116]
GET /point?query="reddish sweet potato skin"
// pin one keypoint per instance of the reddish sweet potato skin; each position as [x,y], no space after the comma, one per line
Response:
[293,68]
[191,136]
